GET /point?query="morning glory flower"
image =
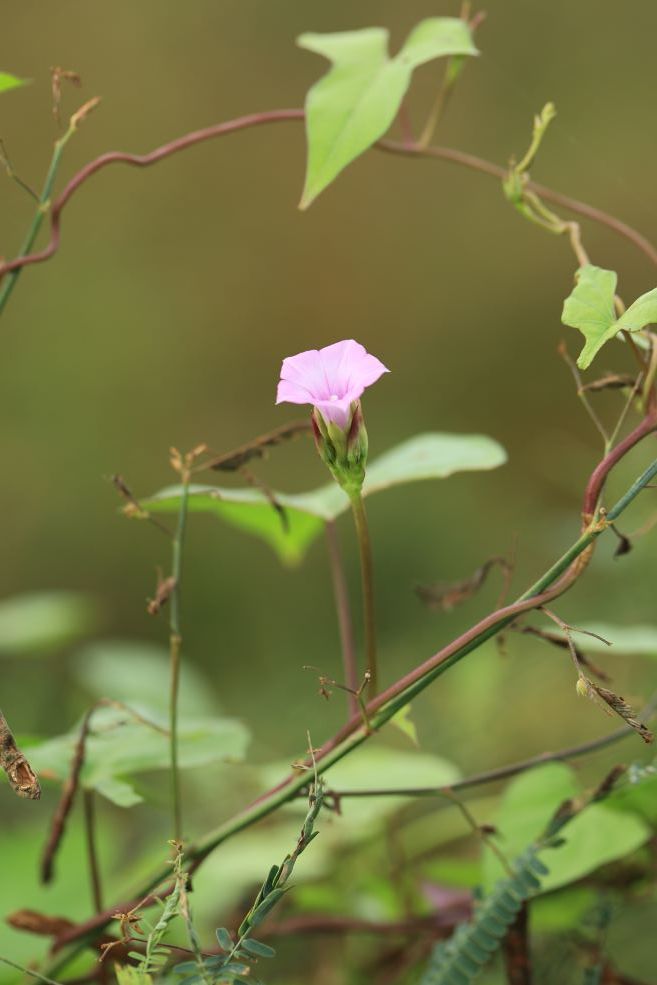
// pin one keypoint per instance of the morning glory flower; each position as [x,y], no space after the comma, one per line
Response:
[332,380]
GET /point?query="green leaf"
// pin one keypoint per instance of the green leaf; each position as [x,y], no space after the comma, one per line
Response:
[128,975]
[636,640]
[133,671]
[378,765]
[590,308]
[638,793]
[596,836]
[224,939]
[125,748]
[354,104]
[426,456]
[258,948]
[8,82]
[119,792]
[641,313]
[402,720]
[43,622]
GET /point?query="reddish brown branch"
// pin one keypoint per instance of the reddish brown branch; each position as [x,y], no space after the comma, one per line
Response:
[140,161]
[602,470]
[557,198]
[282,115]
[66,800]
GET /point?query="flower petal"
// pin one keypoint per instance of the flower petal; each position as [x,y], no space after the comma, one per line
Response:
[292,393]
[331,378]
[337,412]
[350,367]
[306,369]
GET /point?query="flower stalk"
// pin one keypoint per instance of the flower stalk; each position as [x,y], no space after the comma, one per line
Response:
[175,641]
[343,609]
[367,588]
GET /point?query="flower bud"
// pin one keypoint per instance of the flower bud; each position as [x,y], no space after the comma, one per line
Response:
[343,450]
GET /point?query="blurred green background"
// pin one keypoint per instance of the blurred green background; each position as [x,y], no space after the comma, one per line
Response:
[179,289]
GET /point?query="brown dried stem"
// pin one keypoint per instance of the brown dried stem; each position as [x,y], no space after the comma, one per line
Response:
[66,801]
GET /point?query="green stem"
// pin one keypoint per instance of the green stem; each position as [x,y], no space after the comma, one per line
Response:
[343,610]
[367,583]
[175,644]
[28,971]
[43,208]
[337,749]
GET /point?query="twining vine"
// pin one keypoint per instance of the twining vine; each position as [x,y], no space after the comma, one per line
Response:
[594,308]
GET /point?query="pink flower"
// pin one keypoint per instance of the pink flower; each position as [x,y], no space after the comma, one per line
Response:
[331,379]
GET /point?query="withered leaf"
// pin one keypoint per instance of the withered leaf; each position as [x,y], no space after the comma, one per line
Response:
[611,381]
[233,460]
[445,595]
[616,704]
[22,778]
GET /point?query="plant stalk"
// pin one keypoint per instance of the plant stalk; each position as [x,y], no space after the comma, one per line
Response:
[175,645]
[343,610]
[381,710]
[367,587]
[43,207]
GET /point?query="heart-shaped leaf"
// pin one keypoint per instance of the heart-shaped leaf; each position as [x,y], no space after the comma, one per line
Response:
[590,308]
[353,105]
[427,456]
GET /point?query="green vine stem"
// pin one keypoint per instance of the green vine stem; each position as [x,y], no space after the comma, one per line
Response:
[43,202]
[367,586]
[556,580]
[510,769]
[344,616]
[449,154]
[175,644]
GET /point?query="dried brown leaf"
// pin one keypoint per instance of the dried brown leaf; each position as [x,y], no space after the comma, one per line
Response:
[22,778]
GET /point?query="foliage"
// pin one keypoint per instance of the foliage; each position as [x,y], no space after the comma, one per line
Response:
[590,308]
[121,747]
[8,82]
[426,456]
[596,836]
[354,104]
[380,792]
[43,622]
[459,961]
[234,965]
[462,957]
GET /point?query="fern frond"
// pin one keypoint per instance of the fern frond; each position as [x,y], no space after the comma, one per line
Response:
[459,960]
